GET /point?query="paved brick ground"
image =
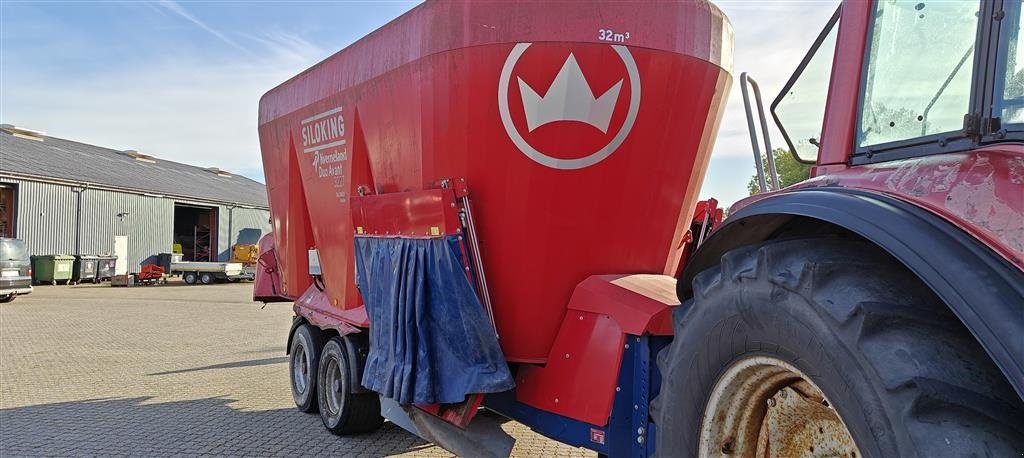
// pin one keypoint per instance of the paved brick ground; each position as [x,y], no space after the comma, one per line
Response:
[172,370]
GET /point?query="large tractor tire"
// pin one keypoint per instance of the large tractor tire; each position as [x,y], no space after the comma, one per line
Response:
[303,361]
[342,411]
[827,347]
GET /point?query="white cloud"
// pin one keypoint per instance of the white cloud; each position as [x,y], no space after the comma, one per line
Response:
[288,46]
[770,40]
[176,8]
[185,107]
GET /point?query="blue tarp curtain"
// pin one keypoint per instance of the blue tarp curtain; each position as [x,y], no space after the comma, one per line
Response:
[430,338]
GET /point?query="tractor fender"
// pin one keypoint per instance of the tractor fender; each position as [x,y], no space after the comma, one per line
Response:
[982,288]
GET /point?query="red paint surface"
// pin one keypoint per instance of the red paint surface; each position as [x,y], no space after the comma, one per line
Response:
[420,214]
[460,414]
[267,284]
[317,308]
[640,304]
[582,369]
[837,133]
[579,380]
[979,191]
[420,102]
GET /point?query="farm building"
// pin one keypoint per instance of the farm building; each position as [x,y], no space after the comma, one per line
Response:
[66,197]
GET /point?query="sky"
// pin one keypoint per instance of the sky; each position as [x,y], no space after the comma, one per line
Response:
[181,80]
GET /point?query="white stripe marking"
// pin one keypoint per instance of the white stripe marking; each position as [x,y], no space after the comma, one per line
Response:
[321,115]
[320,147]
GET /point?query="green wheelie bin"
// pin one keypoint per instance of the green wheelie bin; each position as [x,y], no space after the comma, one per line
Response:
[52,268]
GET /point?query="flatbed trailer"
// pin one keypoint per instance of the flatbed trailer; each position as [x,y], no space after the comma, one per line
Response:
[210,272]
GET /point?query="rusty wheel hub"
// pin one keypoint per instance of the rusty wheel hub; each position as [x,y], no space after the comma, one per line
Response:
[765,407]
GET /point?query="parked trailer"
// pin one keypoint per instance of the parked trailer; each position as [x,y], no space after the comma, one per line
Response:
[495,204]
[210,272]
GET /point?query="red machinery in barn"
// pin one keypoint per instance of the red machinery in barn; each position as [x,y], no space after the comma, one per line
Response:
[489,204]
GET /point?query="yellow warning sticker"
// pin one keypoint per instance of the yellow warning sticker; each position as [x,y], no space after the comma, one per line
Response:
[359,229]
[434,230]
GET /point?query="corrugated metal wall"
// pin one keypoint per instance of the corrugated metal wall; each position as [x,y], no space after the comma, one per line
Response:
[247,225]
[147,221]
[45,216]
[46,221]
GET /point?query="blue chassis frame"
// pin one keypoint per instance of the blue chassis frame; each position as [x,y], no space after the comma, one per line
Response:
[629,432]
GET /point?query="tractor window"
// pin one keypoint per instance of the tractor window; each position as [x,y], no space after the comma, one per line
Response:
[918,78]
[799,110]
[1012,80]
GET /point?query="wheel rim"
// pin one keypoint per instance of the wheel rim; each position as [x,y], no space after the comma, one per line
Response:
[300,369]
[765,407]
[333,387]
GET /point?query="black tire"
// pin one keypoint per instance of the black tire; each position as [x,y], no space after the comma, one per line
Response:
[190,278]
[8,298]
[304,358]
[206,278]
[904,374]
[353,413]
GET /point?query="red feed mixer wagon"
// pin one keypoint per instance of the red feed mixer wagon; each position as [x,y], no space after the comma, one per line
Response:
[494,205]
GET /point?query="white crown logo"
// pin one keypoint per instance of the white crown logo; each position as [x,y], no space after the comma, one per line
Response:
[569,99]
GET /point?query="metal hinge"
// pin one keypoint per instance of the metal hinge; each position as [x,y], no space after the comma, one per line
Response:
[979,128]
[972,125]
[993,126]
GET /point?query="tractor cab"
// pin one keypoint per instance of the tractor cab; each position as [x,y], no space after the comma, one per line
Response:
[935,77]
[911,226]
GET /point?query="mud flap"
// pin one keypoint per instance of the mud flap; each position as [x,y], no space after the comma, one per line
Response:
[482,438]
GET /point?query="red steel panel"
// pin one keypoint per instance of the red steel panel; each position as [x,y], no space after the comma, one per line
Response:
[979,191]
[267,284]
[579,378]
[289,214]
[419,214]
[641,304]
[838,133]
[695,28]
[316,307]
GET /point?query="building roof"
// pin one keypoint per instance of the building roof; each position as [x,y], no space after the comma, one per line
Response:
[44,157]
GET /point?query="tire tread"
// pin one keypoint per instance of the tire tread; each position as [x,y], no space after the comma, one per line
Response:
[933,377]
